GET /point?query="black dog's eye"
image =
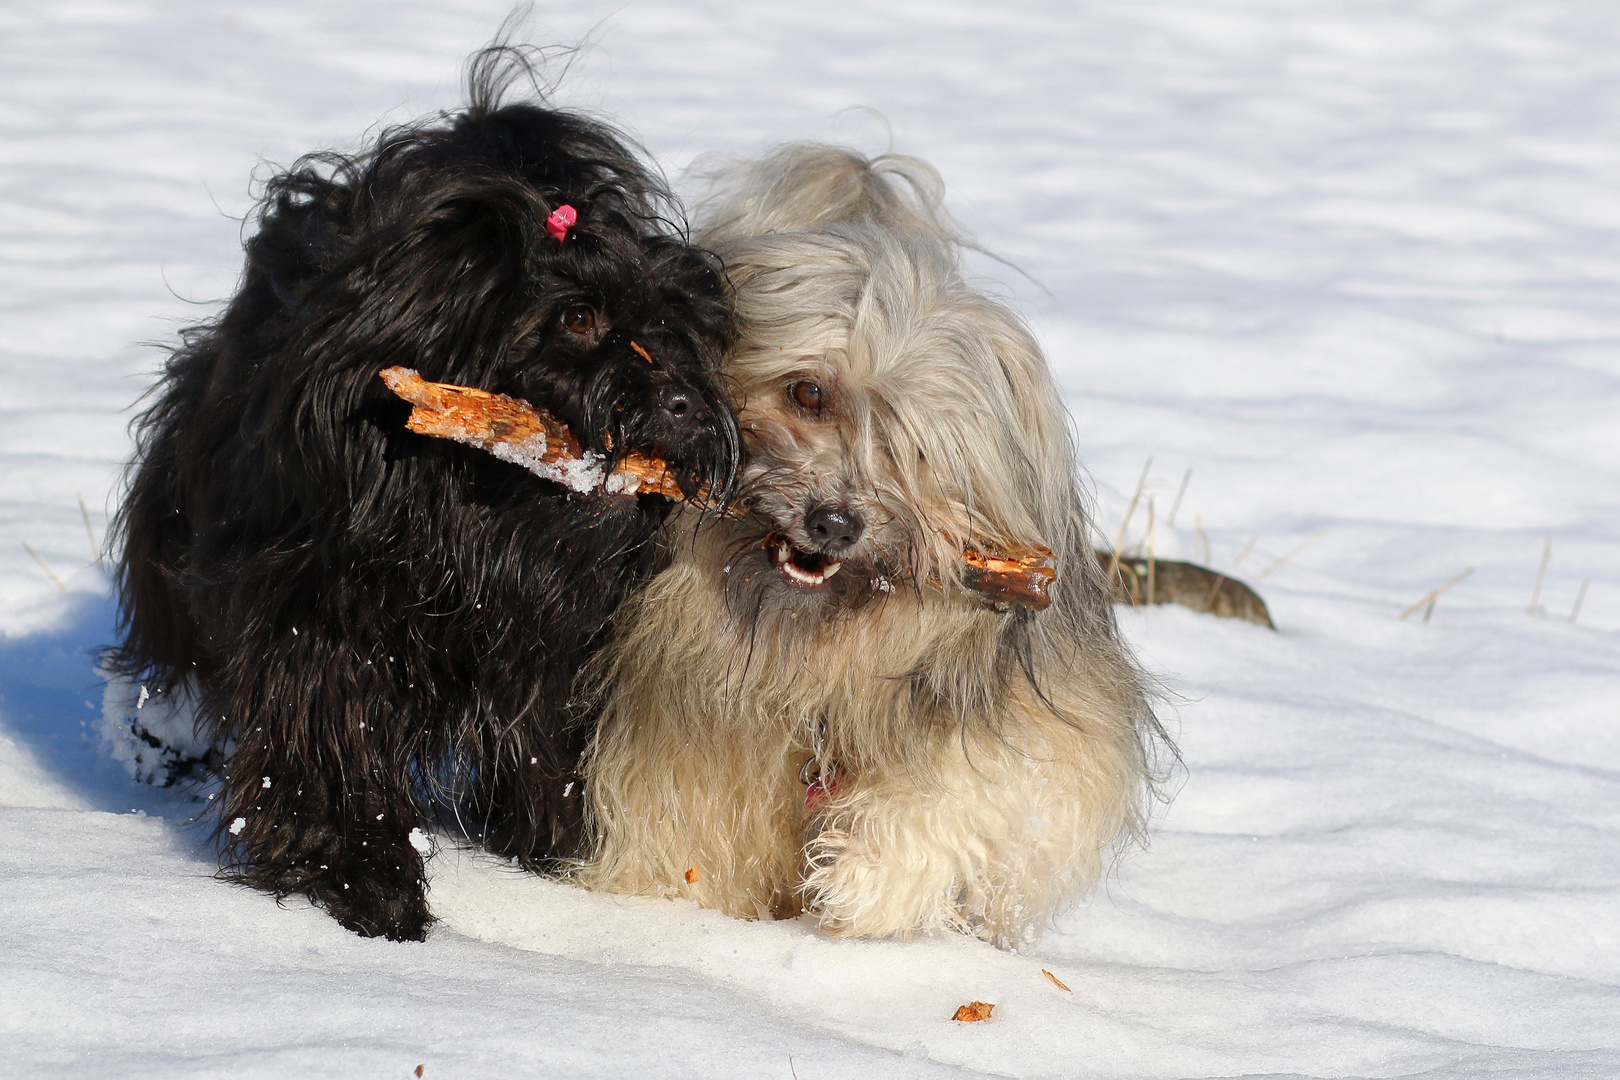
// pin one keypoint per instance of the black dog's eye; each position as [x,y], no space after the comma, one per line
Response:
[807,394]
[579,319]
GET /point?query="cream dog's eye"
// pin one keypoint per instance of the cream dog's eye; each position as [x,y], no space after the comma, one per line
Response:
[807,394]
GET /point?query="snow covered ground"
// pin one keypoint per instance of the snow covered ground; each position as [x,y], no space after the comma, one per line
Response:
[1353,262]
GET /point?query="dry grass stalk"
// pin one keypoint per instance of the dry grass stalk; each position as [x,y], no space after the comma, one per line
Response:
[1580,597]
[1244,554]
[95,547]
[1170,519]
[1057,982]
[1302,546]
[35,556]
[1151,545]
[1203,537]
[1434,594]
[1119,540]
[1541,576]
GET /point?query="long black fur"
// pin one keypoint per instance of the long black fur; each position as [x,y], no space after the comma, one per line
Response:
[382,623]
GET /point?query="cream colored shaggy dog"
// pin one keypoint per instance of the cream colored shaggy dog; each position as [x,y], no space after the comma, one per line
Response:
[806,711]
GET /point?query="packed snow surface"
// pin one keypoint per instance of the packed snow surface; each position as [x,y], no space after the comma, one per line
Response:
[1352,262]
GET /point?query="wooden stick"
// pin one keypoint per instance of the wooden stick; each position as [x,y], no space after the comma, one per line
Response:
[1018,577]
[517,432]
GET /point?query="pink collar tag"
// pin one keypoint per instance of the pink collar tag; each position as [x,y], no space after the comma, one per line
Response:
[823,788]
[561,220]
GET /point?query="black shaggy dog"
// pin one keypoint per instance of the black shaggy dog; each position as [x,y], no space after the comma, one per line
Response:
[383,625]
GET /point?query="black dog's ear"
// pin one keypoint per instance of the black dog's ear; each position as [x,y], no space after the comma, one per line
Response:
[296,241]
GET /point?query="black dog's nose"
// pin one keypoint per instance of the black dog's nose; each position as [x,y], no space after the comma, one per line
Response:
[677,402]
[681,404]
[833,530]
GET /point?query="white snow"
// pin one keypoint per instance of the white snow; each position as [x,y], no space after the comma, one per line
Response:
[1354,262]
[150,735]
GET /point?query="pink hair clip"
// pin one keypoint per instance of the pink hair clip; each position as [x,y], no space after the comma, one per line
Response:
[561,220]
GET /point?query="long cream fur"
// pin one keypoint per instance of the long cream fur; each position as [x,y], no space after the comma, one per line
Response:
[987,760]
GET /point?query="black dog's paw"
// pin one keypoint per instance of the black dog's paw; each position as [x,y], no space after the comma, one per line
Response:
[376,890]
[395,918]
[374,903]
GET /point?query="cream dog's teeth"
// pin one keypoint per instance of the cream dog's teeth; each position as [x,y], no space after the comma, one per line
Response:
[830,569]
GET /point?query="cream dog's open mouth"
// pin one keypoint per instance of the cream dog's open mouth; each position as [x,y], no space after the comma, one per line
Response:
[800,569]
